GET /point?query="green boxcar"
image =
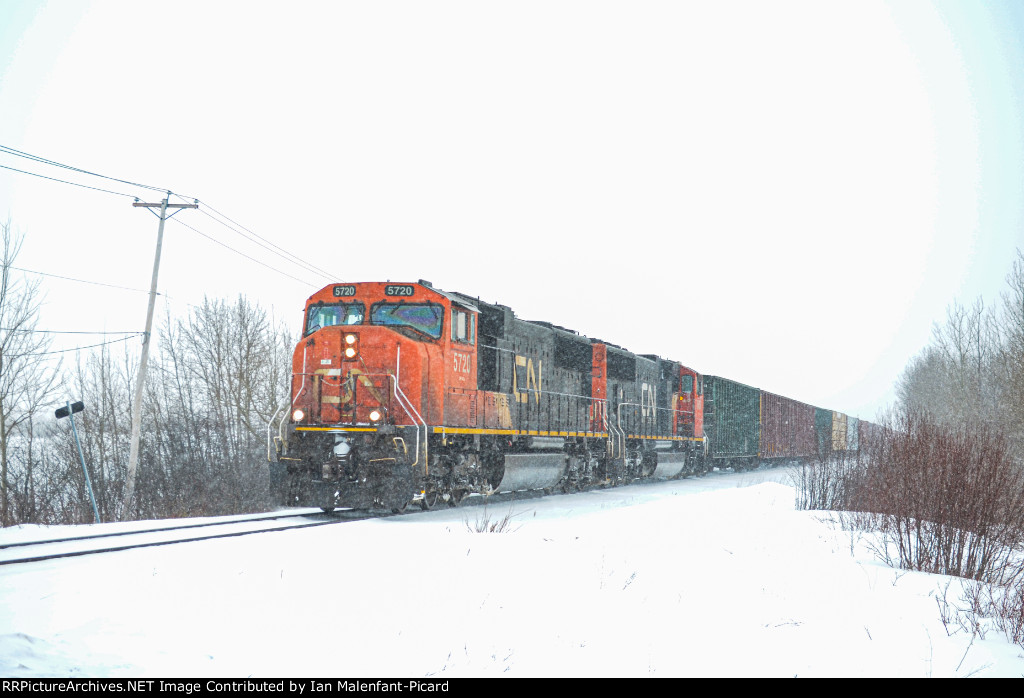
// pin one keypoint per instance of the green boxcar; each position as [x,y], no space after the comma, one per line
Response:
[732,418]
[823,429]
[832,430]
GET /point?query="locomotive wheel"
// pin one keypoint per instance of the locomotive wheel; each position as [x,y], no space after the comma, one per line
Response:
[456,497]
[327,510]
[429,500]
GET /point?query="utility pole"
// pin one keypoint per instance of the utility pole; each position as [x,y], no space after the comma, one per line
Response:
[140,384]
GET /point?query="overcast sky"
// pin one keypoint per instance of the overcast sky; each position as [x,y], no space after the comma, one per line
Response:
[787,193]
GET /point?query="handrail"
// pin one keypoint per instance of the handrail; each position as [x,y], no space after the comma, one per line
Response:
[302,387]
[407,405]
[622,432]
[270,425]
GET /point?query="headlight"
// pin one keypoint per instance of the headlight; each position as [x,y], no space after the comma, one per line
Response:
[351,345]
[298,416]
[374,416]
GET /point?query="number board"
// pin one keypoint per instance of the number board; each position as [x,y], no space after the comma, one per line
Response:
[341,291]
[395,290]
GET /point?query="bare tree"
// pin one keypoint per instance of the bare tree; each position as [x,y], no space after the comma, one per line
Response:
[219,375]
[1010,373]
[27,375]
[954,379]
[229,365]
[922,386]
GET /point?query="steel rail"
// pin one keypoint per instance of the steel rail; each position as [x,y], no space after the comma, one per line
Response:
[172,541]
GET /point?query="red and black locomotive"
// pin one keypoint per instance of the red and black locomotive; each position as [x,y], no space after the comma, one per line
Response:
[402,392]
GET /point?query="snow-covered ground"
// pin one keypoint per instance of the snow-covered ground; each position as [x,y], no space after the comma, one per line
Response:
[717,576]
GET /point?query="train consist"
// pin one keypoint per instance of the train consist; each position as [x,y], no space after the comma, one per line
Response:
[402,392]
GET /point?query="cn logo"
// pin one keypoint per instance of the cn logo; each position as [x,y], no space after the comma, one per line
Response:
[533,379]
[648,400]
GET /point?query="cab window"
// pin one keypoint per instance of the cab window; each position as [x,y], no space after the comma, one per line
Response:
[423,317]
[687,383]
[330,314]
[463,326]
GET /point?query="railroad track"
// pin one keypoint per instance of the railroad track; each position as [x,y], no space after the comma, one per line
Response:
[74,546]
[114,541]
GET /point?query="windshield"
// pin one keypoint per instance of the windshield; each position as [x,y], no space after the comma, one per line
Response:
[328,315]
[424,317]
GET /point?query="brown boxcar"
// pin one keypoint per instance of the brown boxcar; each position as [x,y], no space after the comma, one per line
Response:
[787,427]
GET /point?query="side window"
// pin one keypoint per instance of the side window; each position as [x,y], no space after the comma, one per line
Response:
[463,326]
[687,384]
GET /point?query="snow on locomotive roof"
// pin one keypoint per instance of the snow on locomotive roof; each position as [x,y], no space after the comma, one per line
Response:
[460,298]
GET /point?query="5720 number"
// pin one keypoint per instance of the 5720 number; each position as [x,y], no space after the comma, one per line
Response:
[461,362]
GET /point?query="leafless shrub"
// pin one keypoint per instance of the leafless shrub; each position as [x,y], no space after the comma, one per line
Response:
[946,610]
[975,604]
[950,500]
[832,481]
[983,607]
[484,524]
[944,498]
[1009,613]
[829,482]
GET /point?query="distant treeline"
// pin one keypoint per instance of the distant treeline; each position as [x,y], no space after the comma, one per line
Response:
[973,370]
[215,379]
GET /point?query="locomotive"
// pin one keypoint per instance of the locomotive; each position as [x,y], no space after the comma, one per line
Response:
[403,392]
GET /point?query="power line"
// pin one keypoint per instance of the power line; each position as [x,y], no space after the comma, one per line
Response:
[81,281]
[64,181]
[99,283]
[219,217]
[64,351]
[54,163]
[253,259]
[297,260]
[15,329]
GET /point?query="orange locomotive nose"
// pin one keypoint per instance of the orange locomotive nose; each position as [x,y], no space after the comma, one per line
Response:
[350,376]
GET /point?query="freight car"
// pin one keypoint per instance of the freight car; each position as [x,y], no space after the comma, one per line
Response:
[403,392]
[747,427]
